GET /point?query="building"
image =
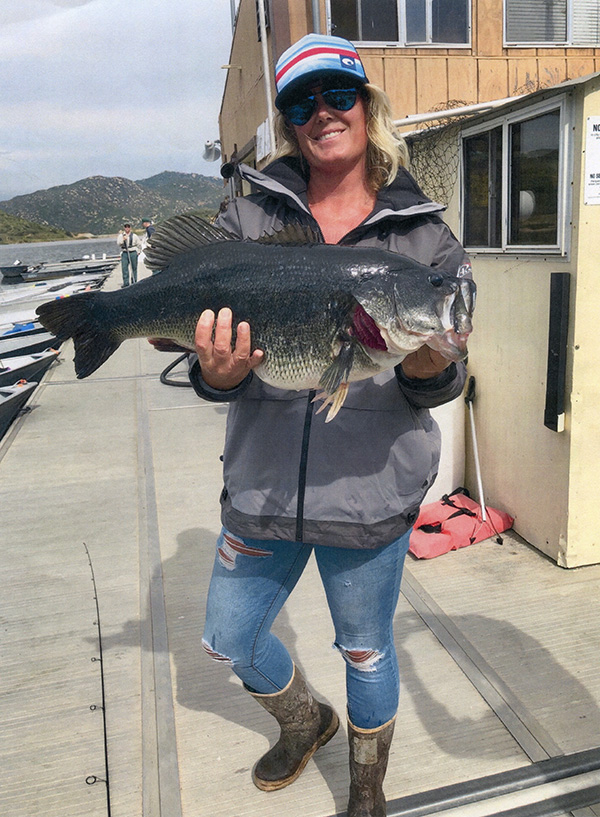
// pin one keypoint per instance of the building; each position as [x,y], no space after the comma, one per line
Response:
[521,181]
[524,198]
[427,54]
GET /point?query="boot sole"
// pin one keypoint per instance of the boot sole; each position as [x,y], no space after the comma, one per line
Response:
[275,785]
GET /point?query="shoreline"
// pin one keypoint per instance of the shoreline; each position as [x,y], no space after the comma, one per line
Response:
[80,237]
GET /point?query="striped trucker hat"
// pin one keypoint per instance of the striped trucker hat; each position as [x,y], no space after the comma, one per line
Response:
[316,56]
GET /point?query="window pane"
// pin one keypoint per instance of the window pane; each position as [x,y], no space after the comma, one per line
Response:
[416,21]
[483,189]
[536,21]
[534,180]
[449,21]
[379,20]
[586,22]
[344,19]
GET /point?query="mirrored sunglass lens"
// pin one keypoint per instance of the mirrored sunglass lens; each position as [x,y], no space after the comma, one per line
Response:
[301,112]
[341,100]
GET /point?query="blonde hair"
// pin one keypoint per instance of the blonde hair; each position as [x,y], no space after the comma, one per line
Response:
[386,149]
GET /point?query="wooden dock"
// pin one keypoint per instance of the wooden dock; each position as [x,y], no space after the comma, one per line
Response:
[498,648]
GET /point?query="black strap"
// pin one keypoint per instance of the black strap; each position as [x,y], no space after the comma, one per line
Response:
[303,466]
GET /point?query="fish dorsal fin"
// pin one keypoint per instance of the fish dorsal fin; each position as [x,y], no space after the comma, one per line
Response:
[181,234]
[294,235]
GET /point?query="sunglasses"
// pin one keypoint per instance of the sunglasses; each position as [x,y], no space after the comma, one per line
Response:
[340,99]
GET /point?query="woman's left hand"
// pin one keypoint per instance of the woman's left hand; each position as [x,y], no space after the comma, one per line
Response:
[424,363]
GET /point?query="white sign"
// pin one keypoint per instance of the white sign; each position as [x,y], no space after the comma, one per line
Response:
[592,161]
[263,140]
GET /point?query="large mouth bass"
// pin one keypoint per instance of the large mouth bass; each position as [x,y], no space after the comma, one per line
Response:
[323,314]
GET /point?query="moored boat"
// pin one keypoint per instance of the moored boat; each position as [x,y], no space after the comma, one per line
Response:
[12,400]
[20,329]
[22,273]
[26,367]
[14,273]
[30,293]
[14,346]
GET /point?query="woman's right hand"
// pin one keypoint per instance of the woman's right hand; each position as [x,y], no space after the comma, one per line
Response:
[223,367]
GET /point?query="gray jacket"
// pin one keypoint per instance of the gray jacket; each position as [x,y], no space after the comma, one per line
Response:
[358,481]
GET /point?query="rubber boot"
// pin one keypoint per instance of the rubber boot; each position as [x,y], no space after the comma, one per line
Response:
[369,751]
[305,725]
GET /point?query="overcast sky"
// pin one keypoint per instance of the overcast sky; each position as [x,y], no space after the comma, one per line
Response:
[108,87]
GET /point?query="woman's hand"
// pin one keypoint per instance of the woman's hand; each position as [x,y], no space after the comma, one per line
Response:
[224,367]
[424,363]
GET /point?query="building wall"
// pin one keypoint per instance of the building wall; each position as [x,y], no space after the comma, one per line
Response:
[417,80]
[583,537]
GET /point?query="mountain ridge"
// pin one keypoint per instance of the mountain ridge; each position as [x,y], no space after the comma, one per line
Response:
[100,204]
[16,230]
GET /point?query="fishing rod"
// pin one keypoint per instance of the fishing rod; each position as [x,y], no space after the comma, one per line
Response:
[91,779]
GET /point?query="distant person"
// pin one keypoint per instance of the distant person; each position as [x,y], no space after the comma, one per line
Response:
[149,228]
[130,246]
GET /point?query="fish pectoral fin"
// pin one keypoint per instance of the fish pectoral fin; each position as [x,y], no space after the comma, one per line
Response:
[339,369]
[334,380]
[335,400]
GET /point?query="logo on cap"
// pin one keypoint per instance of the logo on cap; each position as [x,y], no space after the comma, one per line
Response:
[348,62]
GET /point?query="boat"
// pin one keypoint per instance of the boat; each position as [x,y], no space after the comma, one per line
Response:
[12,400]
[21,273]
[10,317]
[21,329]
[26,367]
[29,345]
[32,293]
[13,273]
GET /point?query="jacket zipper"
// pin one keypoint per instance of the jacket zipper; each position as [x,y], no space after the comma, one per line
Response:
[303,466]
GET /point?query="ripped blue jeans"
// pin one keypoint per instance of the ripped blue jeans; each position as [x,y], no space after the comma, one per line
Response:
[252,578]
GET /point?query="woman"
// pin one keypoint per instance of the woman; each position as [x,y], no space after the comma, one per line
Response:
[348,491]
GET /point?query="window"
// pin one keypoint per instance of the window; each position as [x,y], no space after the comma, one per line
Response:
[559,22]
[483,189]
[403,22]
[267,19]
[512,183]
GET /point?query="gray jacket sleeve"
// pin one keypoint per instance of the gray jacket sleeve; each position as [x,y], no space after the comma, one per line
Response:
[434,391]
[207,392]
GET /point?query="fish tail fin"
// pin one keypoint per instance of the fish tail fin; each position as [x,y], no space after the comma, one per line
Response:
[79,317]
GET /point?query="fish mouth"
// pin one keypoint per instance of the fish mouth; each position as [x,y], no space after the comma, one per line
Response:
[452,345]
[456,319]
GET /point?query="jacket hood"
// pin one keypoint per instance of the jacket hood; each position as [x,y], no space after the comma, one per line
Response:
[288,177]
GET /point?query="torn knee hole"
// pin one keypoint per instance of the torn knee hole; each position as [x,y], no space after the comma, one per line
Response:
[216,656]
[363,660]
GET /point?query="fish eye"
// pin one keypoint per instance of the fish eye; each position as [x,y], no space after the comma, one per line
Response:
[436,280]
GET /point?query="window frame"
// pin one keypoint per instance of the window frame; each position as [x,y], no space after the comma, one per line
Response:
[566,43]
[402,42]
[563,104]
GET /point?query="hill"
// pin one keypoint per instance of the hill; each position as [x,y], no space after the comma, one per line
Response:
[99,204]
[15,230]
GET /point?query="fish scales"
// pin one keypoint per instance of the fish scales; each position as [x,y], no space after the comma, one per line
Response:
[303,303]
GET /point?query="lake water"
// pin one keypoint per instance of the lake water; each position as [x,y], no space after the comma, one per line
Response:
[56,250]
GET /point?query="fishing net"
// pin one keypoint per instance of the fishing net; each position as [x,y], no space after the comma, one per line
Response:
[435,146]
[435,154]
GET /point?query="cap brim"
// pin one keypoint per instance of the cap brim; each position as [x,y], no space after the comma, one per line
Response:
[308,80]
